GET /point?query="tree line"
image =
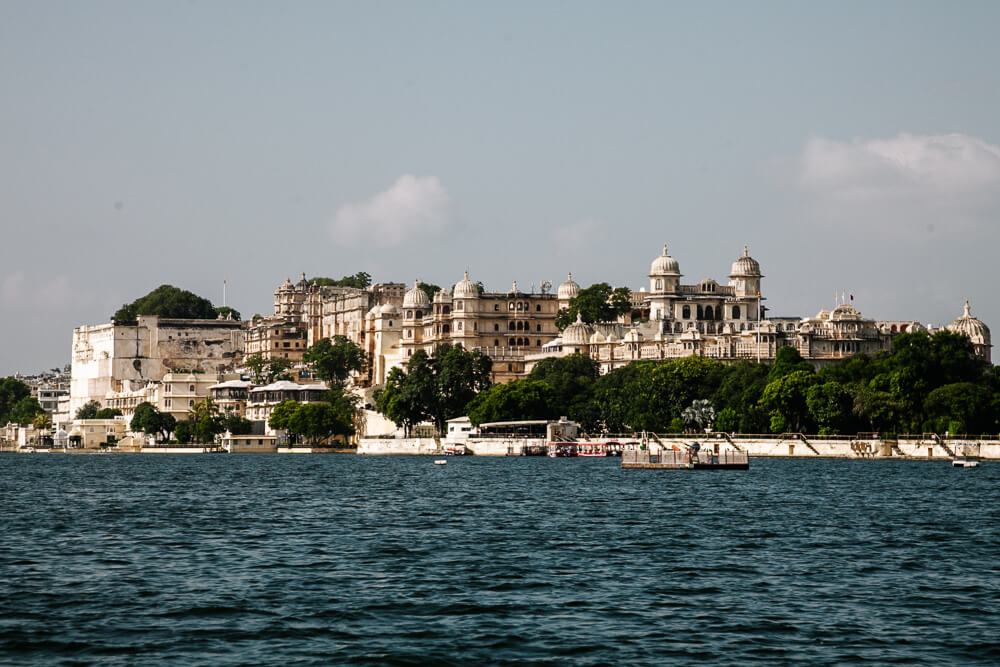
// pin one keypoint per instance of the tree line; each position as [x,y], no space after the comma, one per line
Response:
[925,383]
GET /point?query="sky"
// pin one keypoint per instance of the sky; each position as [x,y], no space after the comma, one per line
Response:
[854,146]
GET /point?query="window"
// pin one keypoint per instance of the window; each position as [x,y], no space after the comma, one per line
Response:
[496,343]
[167,388]
[459,326]
[538,343]
[659,284]
[420,314]
[191,403]
[709,315]
[510,306]
[538,308]
[538,327]
[191,388]
[447,309]
[736,312]
[287,344]
[496,307]
[496,327]
[686,312]
[510,326]
[409,314]
[166,403]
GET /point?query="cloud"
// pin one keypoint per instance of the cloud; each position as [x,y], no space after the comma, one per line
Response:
[56,292]
[573,238]
[412,207]
[908,182]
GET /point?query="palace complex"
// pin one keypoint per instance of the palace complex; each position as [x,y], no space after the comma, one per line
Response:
[176,363]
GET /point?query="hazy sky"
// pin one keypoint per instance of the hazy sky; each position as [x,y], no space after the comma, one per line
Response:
[854,146]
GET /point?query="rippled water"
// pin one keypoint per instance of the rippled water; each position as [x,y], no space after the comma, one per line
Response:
[151,559]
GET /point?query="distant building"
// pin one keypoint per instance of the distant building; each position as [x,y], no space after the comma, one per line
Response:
[121,357]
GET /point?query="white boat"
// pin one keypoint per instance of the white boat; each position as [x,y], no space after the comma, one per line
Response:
[441,462]
[964,462]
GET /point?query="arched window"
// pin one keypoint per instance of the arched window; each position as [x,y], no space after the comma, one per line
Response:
[538,308]
[686,312]
[496,343]
[496,327]
[709,315]
[447,328]
[538,327]
[701,313]
[447,309]
[510,326]
[659,284]
[736,312]
[409,314]
[420,314]
[538,343]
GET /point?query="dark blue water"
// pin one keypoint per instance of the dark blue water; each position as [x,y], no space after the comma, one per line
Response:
[226,560]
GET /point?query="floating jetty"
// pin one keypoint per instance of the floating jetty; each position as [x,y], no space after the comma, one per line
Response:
[652,455]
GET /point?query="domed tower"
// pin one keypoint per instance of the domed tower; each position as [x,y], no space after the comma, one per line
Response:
[975,330]
[464,309]
[577,335]
[567,290]
[664,278]
[745,275]
[284,300]
[415,306]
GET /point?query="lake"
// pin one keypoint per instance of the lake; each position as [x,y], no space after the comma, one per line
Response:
[320,559]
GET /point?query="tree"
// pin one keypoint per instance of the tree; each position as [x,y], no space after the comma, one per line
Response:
[700,414]
[572,380]
[41,421]
[25,410]
[785,398]
[88,410]
[597,303]
[334,361]
[147,419]
[359,280]
[12,391]
[830,407]
[281,413]
[961,407]
[107,413]
[787,360]
[266,371]
[437,387]
[183,432]
[429,289]
[319,421]
[167,301]
[521,399]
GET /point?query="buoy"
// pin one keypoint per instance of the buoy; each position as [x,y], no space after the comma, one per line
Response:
[441,462]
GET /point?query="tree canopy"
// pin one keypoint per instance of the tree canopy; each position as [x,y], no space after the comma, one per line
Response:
[170,302]
[434,387]
[598,303]
[360,280]
[147,419]
[334,360]
[266,371]
[17,405]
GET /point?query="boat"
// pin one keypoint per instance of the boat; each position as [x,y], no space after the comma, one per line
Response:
[689,456]
[964,462]
[441,462]
[456,449]
[563,449]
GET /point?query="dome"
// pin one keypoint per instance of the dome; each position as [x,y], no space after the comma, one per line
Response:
[388,309]
[569,289]
[745,266]
[303,283]
[845,311]
[598,337]
[971,327]
[577,333]
[416,297]
[286,286]
[466,289]
[665,265]
[823,314]
[373,313]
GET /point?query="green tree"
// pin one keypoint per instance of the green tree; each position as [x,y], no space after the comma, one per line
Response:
[830,407]
[41,421]
[597,303]
[266,371]
[147,419]
[335,360]
[727,421]
[437,387]
[572,380]
[785,398]
[521,399]
[282,413]
[429,289]
[319,421]
[183,432]
[167,301]
[107,413]
[256,363]
[12,391]
[359,280]
[966,404]
[88,410]
[787,360]
[25,410]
